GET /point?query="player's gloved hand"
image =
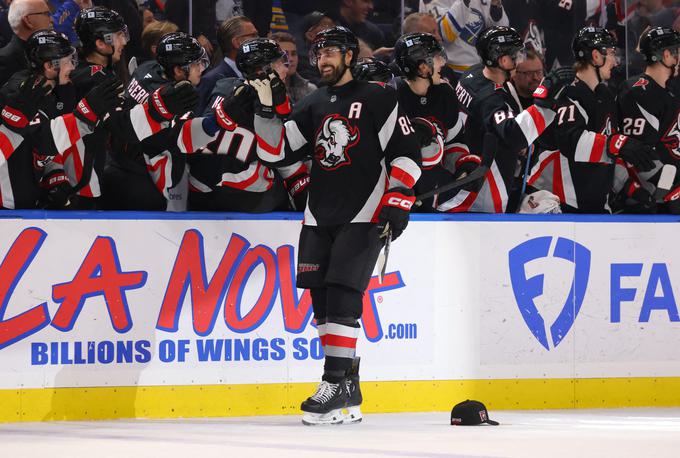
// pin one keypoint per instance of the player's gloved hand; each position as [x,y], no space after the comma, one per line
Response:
[644,200]
[21,107]
[431,141]
[172,100]
[395,207]
[58,190]
[101,99]
[636,153]
[547,94]
[464,166]
[265,97]
[279,96]
[297,188]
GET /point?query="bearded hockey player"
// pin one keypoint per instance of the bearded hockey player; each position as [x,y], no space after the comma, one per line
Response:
[151,175]
[489,104]
[649,109]
[431,103]
[233,178]
[38,124]
[364,165]
[581,148]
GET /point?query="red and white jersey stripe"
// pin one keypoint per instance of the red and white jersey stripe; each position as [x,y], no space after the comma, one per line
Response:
[552,173]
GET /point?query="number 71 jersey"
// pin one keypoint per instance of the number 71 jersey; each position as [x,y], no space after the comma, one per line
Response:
[651,114]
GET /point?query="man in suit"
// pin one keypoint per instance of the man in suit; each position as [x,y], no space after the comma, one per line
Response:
[230,35]
[24,17]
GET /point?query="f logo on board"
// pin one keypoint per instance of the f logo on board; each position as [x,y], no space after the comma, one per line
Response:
[527,289]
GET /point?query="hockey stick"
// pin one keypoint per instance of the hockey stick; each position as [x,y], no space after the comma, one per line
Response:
[385,252]
[525,177]
[490,146]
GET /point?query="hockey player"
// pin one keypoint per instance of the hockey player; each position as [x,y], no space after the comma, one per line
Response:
[427,99]
[580,149]
[151,175]
[38,123]
[364,167]
[233,178]
[488,105]
[649,110]
[103,35]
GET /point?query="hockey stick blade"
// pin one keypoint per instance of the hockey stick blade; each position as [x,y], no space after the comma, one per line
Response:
[475,175]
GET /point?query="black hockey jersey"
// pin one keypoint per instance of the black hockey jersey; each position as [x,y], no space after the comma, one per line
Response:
[572,162]
[495,108]
[361,143]
[231,160]
[439,106]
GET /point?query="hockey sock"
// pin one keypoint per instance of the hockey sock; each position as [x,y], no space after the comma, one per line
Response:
[340,342]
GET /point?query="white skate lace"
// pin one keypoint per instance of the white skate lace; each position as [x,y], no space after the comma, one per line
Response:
[325,391]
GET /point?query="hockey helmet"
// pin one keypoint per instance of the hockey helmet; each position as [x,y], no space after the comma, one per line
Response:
[657,39]
[498,41]
[179,49]
[48,46]
[338,36]
[589,38]
[413,49]
[369,69]
[99,23]
[257,55]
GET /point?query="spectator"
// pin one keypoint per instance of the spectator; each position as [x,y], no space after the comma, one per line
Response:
[462,23]
[203,16]
[527,77]
[5,29]
[152,34]
[354,14]
[65,15]
[25,17]
[230,35]
[310,25]
[146,16]
[296,86]
[260,13]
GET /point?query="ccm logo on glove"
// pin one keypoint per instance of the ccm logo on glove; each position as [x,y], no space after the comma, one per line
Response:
[395,201]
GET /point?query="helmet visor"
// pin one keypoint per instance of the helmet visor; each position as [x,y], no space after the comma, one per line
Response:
[70,61]
[121,37]
[323,51]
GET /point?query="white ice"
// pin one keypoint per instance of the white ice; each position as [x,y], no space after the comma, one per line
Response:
[615,433]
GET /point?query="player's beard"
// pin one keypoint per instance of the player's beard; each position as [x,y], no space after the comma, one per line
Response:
[333,77]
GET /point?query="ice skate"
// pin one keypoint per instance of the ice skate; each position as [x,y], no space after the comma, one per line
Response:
[325,407]
[353,414]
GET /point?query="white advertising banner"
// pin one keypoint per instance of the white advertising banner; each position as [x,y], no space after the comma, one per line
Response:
[127,302]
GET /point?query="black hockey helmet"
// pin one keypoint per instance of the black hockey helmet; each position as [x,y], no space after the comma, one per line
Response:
[369,69]
[589,38]
[257,55]
[179,49]
[48,46]
[496,42]
[413,49]
[99,23]
[657,39]
[338,36]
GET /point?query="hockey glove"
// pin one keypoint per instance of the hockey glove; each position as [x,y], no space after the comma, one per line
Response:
[265,98]
[100,100]
[643,200]
[395,207]
[431,142]
[58,190]
[634,152]
[21,107]
[172,100]
[547,94]
[297,189]
[279,96]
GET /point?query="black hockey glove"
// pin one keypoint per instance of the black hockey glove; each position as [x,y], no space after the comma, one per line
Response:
[279,97]
[431,141]
[172,100]
[634,152]
[21,107]
[100,100]
[297,189]
[547,94]
[395,207]
[58,190]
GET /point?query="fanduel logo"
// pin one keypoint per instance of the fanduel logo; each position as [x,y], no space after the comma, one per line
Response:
[528,289]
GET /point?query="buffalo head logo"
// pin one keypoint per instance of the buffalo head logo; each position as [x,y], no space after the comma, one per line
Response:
[333,140]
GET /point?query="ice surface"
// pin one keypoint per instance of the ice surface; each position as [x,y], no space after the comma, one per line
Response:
[615,433]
